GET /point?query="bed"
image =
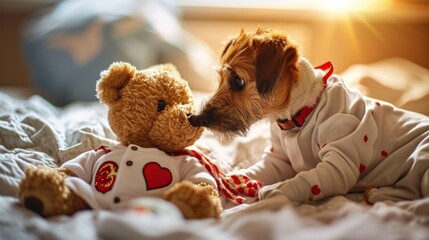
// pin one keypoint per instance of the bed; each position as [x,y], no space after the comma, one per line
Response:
[33,132]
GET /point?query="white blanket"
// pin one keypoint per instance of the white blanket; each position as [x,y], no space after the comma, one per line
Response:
[34,132]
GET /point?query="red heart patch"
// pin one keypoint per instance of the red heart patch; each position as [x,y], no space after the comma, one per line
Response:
[156,176]
[315,190]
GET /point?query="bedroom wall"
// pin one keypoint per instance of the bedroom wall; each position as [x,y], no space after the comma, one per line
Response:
[13,68]
[15,76]
[344,38]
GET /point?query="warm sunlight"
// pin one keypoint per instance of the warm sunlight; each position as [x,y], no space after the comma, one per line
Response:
[343,5]
[325,5]
[353,5]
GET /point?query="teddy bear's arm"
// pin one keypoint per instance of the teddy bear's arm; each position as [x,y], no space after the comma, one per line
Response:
[209,188]
[195,200]
[43,190]
[196,196]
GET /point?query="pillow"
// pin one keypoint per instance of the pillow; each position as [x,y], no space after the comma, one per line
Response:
[395,80]
[68,46]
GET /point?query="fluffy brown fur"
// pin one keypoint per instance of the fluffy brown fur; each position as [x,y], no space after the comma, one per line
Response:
[53,184]
[129,92]
[266,61]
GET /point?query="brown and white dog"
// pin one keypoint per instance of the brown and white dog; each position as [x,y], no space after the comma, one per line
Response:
[326,139]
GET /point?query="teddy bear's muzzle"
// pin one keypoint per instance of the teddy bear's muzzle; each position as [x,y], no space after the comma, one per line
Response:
[34,204]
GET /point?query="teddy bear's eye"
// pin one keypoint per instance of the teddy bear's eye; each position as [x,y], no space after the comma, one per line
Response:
[161,105]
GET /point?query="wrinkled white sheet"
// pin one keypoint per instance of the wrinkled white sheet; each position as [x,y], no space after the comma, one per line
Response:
[34,132]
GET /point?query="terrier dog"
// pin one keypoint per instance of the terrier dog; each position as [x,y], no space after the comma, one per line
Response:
[326,139]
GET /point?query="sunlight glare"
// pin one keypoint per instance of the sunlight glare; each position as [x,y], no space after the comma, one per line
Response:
[353,5]
[342,5]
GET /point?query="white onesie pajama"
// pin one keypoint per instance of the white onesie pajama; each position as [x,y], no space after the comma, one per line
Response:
[349,143]
[109,177]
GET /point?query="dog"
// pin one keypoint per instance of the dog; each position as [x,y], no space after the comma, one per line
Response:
[326,138]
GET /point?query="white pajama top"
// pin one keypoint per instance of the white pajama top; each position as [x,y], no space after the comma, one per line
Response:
[348,143]
[109,176]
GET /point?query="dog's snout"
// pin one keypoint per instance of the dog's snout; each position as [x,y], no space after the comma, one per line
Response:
[199,120]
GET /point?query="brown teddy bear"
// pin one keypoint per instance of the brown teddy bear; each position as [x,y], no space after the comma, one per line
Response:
[148,111]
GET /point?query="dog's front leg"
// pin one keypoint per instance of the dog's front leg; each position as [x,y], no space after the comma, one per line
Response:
[333,176]
[296,189]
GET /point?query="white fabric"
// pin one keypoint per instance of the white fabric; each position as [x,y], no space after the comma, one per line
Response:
[109,176]
[349,143]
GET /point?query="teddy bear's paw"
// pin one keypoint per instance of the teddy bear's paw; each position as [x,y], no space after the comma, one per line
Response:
[195,201]
[43,190]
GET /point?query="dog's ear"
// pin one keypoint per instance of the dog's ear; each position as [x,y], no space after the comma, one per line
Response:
[272,60]
[228,43]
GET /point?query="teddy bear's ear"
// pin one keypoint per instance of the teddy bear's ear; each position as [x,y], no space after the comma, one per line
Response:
[168,67]
[113,80]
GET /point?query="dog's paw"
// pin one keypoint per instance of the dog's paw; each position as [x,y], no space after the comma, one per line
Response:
[195,201]
[270,191]
[366,195]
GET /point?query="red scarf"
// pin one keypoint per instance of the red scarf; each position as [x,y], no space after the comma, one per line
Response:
[233,187]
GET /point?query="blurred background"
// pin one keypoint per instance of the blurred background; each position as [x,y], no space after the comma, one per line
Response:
[58,48]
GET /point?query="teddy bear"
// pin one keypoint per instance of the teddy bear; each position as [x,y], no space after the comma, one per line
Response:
[148,110]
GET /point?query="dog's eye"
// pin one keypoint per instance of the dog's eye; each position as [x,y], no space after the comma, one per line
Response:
[161,105]
[236,83]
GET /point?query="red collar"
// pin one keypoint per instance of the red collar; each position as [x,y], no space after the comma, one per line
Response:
[299,118]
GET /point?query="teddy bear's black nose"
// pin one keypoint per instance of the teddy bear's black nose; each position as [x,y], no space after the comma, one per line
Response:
[34,204]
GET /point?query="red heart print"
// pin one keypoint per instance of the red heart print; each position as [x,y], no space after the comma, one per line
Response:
[362,168]
[315,190]
[365,138]
[384,153]
[156,176]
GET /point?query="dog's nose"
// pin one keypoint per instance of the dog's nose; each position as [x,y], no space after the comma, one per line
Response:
[199,120]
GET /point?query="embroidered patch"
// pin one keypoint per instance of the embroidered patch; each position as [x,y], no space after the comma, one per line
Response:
[106,176]
[104,148]
[156,176]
